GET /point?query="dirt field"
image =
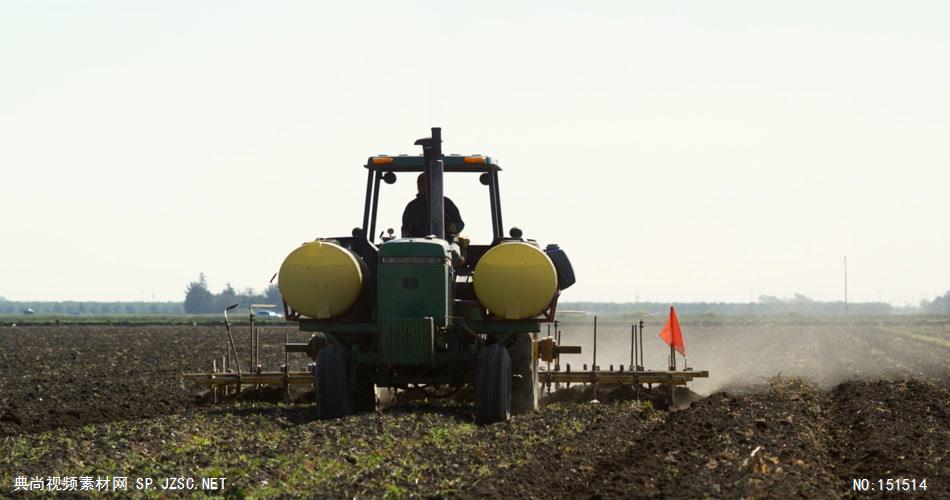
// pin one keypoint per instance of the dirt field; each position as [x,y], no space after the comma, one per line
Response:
[795,407]
[68,376]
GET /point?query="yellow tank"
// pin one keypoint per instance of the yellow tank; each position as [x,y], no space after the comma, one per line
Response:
[515,280]
[320,279]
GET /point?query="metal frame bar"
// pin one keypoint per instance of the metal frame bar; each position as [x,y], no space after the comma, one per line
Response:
[449,168]
[238,379]
[495,231]
[227,325]
[371,236]
[366,205]
[497,201]
[679,377]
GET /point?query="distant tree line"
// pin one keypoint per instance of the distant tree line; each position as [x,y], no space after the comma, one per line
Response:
[73,307]
[939,305]
[200,300]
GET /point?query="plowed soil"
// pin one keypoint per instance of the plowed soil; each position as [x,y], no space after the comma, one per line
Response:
[69,376]
[110,401]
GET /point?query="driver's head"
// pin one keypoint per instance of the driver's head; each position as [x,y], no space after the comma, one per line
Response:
[421,183]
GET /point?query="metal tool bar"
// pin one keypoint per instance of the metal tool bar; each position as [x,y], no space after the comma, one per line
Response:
[227,325]
[286,368]
[594,362]
[256,335]
[263,378]
[621,378]
[633,346]
[640,332]
[254,364]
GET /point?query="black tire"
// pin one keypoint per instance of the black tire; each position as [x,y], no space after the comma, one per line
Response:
[493,385]
[332,400]
[524,386]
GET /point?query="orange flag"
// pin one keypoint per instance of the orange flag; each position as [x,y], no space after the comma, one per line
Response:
[672,334]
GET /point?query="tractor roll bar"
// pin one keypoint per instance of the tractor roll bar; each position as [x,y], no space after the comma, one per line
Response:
[432,150]
[372,228]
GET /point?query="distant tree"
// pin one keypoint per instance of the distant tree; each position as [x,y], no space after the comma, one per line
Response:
[227,297]
[801,299]
[198,299]
[939,305]
[272,296]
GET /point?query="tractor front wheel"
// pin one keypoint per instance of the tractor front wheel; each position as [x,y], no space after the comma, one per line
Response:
[493,385]
[331,374]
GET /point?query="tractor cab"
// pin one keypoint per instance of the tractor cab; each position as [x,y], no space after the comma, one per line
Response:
[387,170]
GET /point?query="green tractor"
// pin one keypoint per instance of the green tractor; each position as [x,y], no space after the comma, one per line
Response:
[429,312]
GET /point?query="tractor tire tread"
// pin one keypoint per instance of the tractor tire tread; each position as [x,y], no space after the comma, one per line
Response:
[493,385]
[330,383]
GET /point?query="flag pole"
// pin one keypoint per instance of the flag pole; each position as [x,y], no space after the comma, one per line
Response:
[672,363]
[672,350]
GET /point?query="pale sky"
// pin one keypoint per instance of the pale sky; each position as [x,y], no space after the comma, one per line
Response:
[677,151]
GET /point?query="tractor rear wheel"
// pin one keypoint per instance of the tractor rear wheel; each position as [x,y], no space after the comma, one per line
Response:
[493,385]
[524,387]
[332,400]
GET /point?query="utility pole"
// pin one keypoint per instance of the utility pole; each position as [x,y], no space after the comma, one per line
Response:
[846,284]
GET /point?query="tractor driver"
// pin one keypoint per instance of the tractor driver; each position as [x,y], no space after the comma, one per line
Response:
[415,218]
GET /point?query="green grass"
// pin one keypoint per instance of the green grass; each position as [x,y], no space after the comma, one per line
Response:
[271,451]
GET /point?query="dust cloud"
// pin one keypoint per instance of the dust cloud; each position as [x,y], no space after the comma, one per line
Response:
[747,351]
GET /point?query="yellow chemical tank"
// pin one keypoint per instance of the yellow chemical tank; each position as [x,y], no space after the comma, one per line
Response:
[320,279]
[515,280]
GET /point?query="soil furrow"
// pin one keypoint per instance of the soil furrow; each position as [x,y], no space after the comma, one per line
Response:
[760,444]
[891,430]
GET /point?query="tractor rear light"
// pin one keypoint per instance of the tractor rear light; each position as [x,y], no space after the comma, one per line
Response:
[382,160]
[475,159]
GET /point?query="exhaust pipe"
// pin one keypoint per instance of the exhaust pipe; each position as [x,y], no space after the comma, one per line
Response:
[434,170]
[436,201]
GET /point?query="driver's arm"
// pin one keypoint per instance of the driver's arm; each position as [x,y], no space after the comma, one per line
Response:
[453,219]
[406,230]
